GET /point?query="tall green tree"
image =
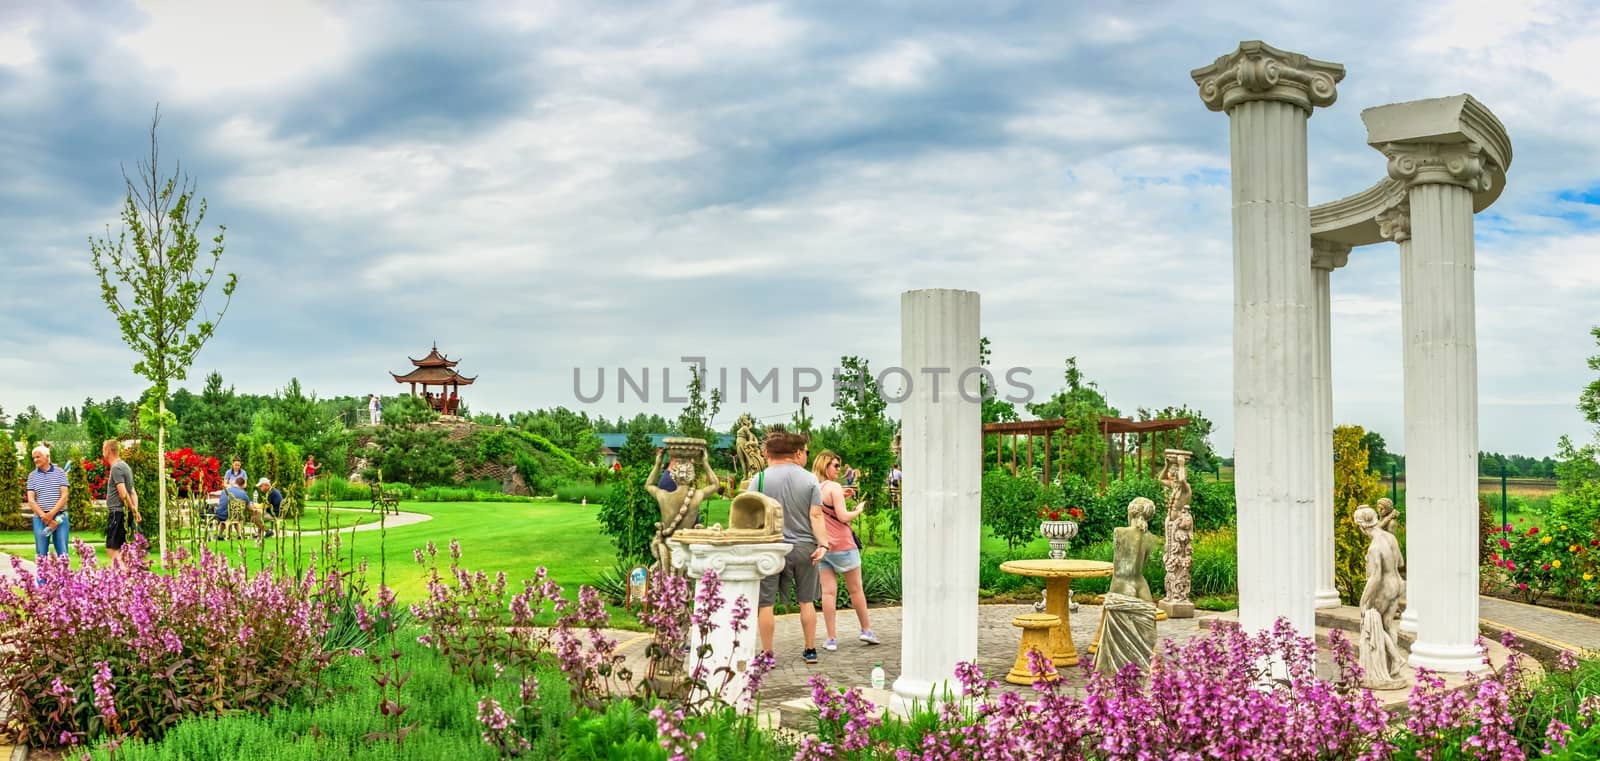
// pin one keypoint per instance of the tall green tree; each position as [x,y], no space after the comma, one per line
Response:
[11,489]
[1577,497]
[154,279]
[1194,436]
[865,437]
[215,420]
[1080,403]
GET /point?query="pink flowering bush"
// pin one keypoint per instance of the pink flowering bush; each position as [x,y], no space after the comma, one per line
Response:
[129,651]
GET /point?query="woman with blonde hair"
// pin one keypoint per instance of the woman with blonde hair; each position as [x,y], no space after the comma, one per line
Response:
[843,556]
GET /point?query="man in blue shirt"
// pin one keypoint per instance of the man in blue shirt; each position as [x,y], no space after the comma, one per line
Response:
[232,491]
[47,498]
[274,502]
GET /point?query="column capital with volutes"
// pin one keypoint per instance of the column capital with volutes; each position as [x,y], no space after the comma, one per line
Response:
[1461,164]
[1329,255]
[1258,71]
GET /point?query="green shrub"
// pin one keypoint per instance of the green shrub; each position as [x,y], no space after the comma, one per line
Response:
[1216,563]
[1011,505]
[996,581]
[1114,504]
[1097,522]
[1213,505]
[629,514]
[880,577]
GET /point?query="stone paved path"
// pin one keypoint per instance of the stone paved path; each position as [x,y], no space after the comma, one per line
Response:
[852,663]
[1556,629]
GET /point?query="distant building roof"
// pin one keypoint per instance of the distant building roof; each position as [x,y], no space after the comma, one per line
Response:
[614,441]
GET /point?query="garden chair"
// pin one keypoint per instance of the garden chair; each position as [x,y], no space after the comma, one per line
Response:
[384,501]
[233,527]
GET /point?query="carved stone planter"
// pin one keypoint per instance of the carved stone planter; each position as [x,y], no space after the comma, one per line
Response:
[1059,533]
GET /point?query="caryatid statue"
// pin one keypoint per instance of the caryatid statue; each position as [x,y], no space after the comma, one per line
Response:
[1179,555]
[680,507]
[747,448]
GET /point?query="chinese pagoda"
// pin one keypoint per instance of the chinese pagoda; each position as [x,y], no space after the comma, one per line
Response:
[435,370]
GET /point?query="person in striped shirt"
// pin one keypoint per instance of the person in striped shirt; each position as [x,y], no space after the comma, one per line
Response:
[47,498]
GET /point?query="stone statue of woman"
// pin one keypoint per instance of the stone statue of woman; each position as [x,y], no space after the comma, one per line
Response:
[1179,555]
[1381,657]
[1129,634]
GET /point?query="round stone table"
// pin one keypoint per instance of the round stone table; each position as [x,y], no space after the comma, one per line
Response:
[1058,576]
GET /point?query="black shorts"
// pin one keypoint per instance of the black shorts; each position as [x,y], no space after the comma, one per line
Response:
[116,530]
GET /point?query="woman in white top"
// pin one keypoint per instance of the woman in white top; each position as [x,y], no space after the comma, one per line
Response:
[843,556]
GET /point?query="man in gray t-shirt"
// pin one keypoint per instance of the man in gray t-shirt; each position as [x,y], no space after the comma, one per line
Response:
[120,498]
[788,482]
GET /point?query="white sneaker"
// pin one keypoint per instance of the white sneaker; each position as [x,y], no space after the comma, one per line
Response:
[869,638]
[830,645]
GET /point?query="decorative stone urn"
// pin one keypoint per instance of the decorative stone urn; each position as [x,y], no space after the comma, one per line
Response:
[742,555]
[1059,533]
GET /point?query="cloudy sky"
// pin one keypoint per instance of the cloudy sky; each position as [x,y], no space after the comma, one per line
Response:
[546,186]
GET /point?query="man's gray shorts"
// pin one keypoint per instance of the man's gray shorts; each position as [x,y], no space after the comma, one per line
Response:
[798,577]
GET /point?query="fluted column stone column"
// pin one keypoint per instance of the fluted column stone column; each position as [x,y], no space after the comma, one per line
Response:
[941,441]
[1394,224]
[1268,95]
[1438,309]
[1326,256]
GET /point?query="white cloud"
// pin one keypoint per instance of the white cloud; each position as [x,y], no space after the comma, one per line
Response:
[759,183]
[208,49]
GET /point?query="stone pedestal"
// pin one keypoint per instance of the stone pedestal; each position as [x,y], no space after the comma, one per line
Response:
[1183,609]
[1326,256]
[941,436]
[741,567]
[1268,95]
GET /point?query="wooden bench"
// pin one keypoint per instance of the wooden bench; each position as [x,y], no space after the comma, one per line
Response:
[383,501]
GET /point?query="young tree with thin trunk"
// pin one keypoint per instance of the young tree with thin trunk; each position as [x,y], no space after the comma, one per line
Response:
[154,282]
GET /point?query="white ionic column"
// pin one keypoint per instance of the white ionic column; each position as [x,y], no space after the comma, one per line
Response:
[941,440]
[1394,224]
[1268,95]
[1326,256]
[1441,400]
[740,568]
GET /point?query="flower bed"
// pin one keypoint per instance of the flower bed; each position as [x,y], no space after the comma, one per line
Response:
[205,661]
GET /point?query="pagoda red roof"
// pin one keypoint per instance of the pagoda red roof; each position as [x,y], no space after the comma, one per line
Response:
[434,359]
[434,376]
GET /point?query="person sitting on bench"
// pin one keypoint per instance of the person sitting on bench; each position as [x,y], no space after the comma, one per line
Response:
[273,499]
[235,491]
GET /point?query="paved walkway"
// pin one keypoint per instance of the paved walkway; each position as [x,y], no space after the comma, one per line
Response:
[1551,628]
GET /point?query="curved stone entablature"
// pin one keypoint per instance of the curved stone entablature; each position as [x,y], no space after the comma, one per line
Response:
[1456,120]
[1454,140]
[1258,71]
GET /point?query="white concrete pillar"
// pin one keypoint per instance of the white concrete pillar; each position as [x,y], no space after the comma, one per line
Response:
[1326,256]
[740,568]
[1441,400]
[1268,95]
[941,440]
[1394,224]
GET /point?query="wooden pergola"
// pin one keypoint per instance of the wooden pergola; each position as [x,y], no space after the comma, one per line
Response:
[1158,434]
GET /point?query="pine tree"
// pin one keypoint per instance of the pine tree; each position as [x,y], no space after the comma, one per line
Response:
[11,489]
